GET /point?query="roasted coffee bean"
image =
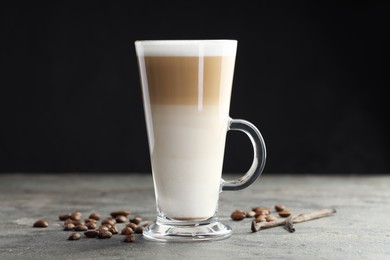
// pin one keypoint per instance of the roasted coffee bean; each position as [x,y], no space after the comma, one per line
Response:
[284,213]
[74,222]
[104,234]
[64,217]
[108,226]
[120,219]
[76,215]
[91,225]
[144,223]
[127,231]
[262,210]
[129,239]
[136,220]
[120,213]
[279,207]
[262,213]
[103,228]
[132,226]
[87,220]
[91,233]
[261,218]
[67,221]
[81,228]
[250,214]
[40,224]
[95,216]
[109,221]
[74,236]
[270,218]
[139,230]
[238,215]
[69,227]
[113,230]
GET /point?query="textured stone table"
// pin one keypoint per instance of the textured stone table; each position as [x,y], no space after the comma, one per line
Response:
[359,230]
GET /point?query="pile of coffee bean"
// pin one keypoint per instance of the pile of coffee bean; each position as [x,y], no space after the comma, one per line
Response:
[261,214]
[106,229]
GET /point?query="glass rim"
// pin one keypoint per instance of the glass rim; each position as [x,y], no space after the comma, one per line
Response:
[186,41]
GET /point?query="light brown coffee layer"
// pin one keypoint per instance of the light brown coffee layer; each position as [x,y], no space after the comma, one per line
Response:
[187,80]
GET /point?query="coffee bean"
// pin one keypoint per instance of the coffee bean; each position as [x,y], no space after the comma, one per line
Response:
[129,239]
[91,225]
[69,227]
[262,210]
[64,217]
[81,227]
[132,226]
[120,219]
[284,213]
[262,213]
[136,220]
[74,222]
[104,234]
[120,213]
[40,224]
[107,225]
[270,218]
[261,218]
[91,233]
[109,221]
[113,230]
[103,228]
[250,214]
[238,215]
[144,223]
[87,220]
[95,216]
[76,215]
[74,236]
[279,207]
[139,230]
[127,231]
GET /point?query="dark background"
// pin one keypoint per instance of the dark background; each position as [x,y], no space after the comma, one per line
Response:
[312,77]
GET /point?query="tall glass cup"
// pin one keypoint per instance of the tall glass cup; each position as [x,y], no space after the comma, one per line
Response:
[186,86]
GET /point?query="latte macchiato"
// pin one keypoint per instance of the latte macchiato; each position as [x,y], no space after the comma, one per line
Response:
[186,87]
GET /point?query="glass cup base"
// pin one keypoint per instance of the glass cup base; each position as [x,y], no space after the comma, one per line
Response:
[164,230]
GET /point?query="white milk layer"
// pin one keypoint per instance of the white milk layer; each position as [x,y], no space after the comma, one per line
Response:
[187,149]
[186,48]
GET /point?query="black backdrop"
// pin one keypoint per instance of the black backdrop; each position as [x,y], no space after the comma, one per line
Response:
[312,77]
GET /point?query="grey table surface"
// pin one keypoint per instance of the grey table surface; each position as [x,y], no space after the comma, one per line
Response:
[359,230]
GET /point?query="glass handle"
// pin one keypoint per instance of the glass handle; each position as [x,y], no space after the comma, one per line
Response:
[259,155]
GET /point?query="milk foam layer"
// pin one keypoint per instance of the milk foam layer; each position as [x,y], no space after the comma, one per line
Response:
[187,158]
[186,48]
